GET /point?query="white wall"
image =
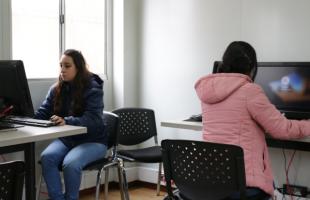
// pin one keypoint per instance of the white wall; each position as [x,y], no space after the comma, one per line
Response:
[126,53]
[180,39]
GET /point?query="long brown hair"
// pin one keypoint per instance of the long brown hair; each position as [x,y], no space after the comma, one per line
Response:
[80,82]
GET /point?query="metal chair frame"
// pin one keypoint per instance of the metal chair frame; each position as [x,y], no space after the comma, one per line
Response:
[104,164]
[136,126]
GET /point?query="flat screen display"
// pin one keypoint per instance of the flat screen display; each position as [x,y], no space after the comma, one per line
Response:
[287,85]
[14,90]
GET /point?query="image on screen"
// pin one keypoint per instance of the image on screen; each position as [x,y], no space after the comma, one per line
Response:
[287,86]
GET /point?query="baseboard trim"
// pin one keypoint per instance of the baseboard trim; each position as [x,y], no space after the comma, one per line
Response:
[115,186]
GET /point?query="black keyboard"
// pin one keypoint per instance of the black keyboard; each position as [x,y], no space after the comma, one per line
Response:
[195,118]
[29,121]
[5,126]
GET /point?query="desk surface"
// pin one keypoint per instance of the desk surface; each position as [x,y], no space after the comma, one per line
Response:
[197,126]
[28,134]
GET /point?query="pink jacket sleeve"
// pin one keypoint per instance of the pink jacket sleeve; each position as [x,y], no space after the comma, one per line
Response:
[271,120]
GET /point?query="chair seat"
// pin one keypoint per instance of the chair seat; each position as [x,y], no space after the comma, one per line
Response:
[148,155]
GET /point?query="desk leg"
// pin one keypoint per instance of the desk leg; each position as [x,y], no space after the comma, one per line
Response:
[29,155]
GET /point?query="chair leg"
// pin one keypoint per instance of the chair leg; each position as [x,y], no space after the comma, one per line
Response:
[123,180]
[98,183]
[159,178]
[106,183]
[38,189]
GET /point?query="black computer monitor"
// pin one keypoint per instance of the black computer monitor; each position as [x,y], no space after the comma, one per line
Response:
[287,85]
[14,88]
[216,66]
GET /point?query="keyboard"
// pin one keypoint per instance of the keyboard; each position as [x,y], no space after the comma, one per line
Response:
[28,121]
[194,118]
[5,126]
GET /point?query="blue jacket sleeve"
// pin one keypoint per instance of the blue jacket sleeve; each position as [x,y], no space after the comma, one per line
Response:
[46,110]
[92,115]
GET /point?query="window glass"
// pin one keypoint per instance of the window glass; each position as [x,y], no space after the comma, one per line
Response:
[85,31]
[35,36]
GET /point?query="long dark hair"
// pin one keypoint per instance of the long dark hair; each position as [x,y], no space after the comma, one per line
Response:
[239,57]
[80,82]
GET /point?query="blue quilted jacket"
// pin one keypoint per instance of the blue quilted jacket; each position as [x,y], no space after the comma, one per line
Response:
[92,117]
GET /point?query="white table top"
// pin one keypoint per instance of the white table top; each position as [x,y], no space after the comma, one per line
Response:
[197,126]
[33,134]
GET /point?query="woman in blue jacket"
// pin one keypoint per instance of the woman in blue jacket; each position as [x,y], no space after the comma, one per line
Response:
[76,99]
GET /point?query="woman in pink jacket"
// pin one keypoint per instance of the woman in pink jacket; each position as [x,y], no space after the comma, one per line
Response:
[236,111]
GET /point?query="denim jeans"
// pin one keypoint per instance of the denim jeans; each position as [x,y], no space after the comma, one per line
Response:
[72,162]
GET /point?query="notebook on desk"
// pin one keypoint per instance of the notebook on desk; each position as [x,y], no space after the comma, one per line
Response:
[28,121]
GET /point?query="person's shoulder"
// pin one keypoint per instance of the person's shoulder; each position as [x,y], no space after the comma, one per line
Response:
[252,86]
[52,88]
[95,81]
[253,89]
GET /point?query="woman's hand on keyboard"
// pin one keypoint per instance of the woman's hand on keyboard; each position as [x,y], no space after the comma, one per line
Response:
[59,121]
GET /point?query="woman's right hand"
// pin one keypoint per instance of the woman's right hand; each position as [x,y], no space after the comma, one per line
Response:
[59,121]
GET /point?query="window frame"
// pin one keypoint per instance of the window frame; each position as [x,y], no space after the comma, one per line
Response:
[6,36]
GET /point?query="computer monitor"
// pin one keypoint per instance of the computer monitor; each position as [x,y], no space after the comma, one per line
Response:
[287,85]
[216,66]
[14,88]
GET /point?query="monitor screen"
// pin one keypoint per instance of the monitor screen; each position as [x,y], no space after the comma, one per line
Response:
[287,85]
[14,90]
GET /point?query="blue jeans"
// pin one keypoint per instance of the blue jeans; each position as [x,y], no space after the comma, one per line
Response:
[72,162]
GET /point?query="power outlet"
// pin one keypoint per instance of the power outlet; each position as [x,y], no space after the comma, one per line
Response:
[295,190]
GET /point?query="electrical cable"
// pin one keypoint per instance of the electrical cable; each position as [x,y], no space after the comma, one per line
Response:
[287,168]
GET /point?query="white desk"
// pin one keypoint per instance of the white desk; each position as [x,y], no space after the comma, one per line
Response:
[24,139]
[298,144]
[196,126]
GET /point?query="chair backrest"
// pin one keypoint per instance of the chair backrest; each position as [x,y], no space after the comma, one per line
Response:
[203,170]
[12,180]
[136,125]
[111,122]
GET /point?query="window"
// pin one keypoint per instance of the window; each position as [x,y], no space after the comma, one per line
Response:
[41,30]
[35,36]
[85,30]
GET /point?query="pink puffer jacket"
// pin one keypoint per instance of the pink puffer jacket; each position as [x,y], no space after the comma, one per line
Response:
[236,111]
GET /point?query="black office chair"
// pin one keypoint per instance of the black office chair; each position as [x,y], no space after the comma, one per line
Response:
[111,121]
[202,170]
[136,126]
[12,180]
